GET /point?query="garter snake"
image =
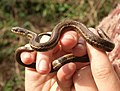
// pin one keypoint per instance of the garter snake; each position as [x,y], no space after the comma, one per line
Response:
[102,42]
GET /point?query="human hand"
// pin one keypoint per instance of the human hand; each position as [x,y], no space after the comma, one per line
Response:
[87,78]
[40,79]
[99,75]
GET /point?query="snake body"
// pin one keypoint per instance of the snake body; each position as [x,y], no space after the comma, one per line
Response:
[103,42]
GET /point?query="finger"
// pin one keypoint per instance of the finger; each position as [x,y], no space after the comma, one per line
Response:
[68,40]
[117,69]
[83,80]
[64,76]
[43,62]
[71,43]
[102,70]
[80,48]
[43,59]
[27,57]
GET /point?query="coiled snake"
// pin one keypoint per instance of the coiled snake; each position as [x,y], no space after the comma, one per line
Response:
[103,42]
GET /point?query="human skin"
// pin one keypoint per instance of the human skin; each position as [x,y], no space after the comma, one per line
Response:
[99,75]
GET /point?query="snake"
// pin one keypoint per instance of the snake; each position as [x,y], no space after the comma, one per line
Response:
[100,41]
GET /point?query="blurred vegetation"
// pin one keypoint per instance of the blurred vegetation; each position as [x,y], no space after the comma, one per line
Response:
[39,16]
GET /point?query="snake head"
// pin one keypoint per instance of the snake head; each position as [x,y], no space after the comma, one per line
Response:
[19,30]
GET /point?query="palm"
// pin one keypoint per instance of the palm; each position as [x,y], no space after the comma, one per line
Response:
[40,82]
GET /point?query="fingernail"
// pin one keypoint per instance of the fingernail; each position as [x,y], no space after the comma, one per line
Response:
[25,55]
[43,66]
[70,37]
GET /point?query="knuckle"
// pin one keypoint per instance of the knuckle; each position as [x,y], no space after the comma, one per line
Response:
[102,72]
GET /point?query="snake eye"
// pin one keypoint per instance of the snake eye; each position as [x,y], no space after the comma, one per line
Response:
[15,30]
